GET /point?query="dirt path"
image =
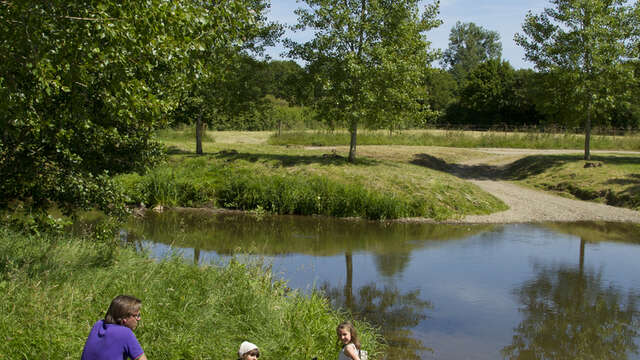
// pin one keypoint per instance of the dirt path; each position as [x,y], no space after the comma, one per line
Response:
[528,205]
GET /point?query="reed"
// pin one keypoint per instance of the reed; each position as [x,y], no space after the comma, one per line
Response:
[307,184]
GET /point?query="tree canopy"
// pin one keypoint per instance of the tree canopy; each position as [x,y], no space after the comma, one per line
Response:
[368,58]
[469,46]
[84,85]
[586,46]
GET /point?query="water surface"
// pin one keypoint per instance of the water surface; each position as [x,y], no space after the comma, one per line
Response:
[551,291]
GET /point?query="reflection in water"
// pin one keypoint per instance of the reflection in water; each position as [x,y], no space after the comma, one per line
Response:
[232,233]
[442,287]
[571,313]
[394,312]
[599,231]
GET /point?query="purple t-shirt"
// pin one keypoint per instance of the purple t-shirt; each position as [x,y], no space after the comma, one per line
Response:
[111,342]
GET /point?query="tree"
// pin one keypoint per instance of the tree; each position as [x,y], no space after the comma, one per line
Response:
[441,89]
[219,44]
[584,44]
[367,57]
[469,46]
[85,84]
[495,94]
[572,313]
[288,81]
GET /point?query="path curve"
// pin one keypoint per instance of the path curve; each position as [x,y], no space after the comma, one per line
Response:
[528,205]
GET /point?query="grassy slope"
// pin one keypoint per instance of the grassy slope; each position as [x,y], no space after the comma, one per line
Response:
[55,288]
[396,188]
[616,182]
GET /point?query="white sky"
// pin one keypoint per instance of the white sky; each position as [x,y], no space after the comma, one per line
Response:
[503,16]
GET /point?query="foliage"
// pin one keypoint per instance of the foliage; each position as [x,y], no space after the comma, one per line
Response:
[285,117]
[585,44]
[55,288]
[494,93]
[288,81]
[79,98]
[441,89]
[218,79]
[86,84]
[367,58]
[469,46]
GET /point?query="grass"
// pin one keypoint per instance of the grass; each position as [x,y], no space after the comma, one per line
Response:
[55,287]
[615,181]
[306,182]
[460,139]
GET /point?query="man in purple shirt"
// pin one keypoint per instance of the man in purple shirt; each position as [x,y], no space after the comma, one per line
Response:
[113,338]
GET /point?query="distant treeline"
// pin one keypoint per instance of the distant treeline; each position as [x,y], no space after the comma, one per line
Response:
[267,95]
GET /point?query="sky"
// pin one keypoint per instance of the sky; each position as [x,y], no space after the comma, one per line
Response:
[503,16]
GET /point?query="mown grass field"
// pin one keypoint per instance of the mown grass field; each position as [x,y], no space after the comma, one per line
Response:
[616,182]
[55,287]
[461,139]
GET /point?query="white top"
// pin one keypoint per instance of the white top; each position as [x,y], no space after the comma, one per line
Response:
[343,356]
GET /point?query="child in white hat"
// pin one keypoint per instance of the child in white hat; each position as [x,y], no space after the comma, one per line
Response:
[248,351]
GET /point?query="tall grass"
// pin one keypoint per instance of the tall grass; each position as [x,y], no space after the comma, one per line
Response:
[460,138]
[54,288]
[312,195]
[309,190]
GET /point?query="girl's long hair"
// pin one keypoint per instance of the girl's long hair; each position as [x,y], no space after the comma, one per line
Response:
[122,307]
[347,325]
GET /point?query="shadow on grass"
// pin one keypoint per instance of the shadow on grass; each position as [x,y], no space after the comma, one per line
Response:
[291,160]
[522,168]
[174,150]
[468,172]
[629,180]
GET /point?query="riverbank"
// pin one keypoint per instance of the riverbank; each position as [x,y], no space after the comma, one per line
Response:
[611,178]
[55,287]
[287,181]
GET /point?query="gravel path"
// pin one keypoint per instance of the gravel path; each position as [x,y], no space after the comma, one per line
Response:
[529,205]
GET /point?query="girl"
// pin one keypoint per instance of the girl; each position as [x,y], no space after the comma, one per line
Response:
[248,351]
[112,337]
[348,339]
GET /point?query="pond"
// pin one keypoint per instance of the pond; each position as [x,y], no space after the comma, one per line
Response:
[521,291]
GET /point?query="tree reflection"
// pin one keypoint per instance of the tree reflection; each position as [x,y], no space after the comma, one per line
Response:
[395,313]
[570,313]
[389,264]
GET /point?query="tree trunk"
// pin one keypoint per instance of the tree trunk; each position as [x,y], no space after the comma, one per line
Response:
[581,256]
[199,135]
[279,127]
[352,146]
[587,135]
[348,286]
